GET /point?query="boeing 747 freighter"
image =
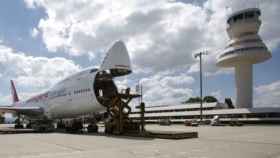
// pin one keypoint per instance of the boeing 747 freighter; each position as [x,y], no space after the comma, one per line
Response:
[89,91]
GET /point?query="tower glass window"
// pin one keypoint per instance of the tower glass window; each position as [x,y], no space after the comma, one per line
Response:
[249,15]
[238,17]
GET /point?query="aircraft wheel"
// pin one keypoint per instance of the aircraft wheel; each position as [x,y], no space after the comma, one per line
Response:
[29,125]
[108,128]
[76,126]
[92,128]
[18,126]
[60,125]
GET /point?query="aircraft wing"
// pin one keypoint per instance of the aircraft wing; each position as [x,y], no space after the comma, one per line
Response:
[21,110]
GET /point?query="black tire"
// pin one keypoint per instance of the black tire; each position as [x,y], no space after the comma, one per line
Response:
[18,126]
[92,128]
[60,125]
[29,125]
[108,128]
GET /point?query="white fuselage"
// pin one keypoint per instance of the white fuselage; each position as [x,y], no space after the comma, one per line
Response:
[71,97]
[90,91]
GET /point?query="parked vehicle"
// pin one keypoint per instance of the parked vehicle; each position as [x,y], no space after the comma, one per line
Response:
[165,122]
[193,122]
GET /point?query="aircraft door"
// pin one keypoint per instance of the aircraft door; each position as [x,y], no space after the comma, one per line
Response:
[104,88]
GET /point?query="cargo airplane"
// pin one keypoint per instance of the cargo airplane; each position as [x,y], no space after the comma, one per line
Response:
[89,91]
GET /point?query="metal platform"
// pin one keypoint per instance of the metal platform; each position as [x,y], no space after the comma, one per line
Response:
[147,134]
[171,135]
[10,130]
[164,134]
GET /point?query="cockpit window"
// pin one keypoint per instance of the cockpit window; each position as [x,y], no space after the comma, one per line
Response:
[238,17]
[249,15]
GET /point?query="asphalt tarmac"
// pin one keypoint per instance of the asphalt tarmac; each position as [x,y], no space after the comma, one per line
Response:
[213,142]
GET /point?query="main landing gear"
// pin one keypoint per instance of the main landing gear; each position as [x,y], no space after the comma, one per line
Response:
[77,125]
[41,125]
[18,122]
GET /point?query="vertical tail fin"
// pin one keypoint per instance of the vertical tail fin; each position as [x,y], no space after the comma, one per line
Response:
[14,92]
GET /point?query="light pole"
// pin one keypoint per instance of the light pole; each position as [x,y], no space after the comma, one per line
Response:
[200,68]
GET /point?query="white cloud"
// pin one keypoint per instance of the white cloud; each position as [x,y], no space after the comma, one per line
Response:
[218,94]
[167,30]
[34,72]
[160,35]
[165,88]
[34,32]
[30,3]
[5,99]
[121,82]
[151,30]
[268,95]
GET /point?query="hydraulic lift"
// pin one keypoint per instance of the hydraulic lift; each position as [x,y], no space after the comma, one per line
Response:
[119,122]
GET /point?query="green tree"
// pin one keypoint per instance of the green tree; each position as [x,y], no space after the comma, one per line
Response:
[193,100]
[209,99]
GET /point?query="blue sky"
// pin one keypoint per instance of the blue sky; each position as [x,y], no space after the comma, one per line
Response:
[16,25]
[161,38]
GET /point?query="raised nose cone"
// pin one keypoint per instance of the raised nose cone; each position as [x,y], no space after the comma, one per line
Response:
[117,60]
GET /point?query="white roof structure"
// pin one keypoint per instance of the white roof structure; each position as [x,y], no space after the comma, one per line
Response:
[211,112]
[181,106]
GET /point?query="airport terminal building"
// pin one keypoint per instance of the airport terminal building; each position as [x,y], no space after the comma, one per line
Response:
[187,112]
[244,49]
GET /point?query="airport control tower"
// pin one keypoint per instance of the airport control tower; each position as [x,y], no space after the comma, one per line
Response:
[244,49]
